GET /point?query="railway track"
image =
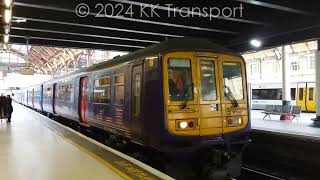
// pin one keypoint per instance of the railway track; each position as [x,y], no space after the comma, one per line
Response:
[249,173]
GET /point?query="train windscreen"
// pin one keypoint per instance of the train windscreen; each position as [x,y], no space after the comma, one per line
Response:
[180,79]
[233,80]
[208,82]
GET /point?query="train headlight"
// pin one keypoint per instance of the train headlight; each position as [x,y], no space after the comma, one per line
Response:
[183,124]
[234,121]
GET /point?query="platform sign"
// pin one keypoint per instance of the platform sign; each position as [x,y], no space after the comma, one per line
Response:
[26,71]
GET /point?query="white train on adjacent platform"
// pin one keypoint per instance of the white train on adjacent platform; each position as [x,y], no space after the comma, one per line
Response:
[302,94]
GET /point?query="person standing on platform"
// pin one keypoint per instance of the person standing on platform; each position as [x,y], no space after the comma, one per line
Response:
[2,106]
[9,108]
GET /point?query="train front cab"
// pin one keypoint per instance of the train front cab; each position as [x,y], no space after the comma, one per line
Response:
[205,94]
[206,104]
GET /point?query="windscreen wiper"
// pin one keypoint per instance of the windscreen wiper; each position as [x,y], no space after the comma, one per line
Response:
[187,96]
[231,97]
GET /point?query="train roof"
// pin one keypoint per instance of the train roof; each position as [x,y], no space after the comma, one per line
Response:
[185,43]
[176,44]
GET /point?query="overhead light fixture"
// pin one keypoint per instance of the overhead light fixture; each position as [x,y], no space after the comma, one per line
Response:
[256,43]
[7,3]
[23,20]
[7,16]
[6,38]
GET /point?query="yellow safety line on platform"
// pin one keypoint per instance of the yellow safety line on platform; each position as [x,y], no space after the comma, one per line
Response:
[102,161]
[105,163]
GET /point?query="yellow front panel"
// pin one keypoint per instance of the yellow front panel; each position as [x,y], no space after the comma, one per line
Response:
[207,123]
[205,110]
[209,108]
[209,114]
[227,129]
[227,108]
[173,130]
[211,131]
[183,115]
[174,111]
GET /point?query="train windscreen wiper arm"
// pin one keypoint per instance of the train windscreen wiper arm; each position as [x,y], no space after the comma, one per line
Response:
[187,96]
[231,97]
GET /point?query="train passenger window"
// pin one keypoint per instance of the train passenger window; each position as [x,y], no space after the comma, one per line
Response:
[47,92]
[293,93]
[300,93]
[68,92]
[180,80]
[61,93]
[119,90]
[101,91]
[233,80]
[120,79]
[256,94]
[266,94]
[65,92]
[311,94]
[208,81]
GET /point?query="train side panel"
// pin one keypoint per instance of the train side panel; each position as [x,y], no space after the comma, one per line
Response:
[38,97]
[47,97]
[24,95]
[153,115]
[64,102]
[30,97]
[109,100]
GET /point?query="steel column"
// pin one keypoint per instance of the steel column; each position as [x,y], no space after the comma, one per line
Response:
[317,63]
[286,96]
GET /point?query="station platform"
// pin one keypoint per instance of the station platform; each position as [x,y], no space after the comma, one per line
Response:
[299,127]
[35,147]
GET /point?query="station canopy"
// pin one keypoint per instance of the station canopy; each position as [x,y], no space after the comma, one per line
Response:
[129,25]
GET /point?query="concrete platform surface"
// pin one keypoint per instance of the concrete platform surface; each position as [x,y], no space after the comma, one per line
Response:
[298,127]
[35,147]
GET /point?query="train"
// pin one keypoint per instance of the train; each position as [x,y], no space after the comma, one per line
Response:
[181,95]
[302,94]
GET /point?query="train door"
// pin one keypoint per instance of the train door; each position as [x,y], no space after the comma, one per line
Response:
[54,98]
[301,98]
[209,96]
[84,99]
[311,98]
[136,106]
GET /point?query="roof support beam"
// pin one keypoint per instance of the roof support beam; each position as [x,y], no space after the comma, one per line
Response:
[166,8]
[83,42]
[86,35]
[99,27]
[128,19]
[274,6]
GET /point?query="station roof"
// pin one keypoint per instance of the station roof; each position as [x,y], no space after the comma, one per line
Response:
[56,23]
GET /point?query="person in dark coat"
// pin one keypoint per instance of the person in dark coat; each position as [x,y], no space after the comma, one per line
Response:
[2,106]
[9,107]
